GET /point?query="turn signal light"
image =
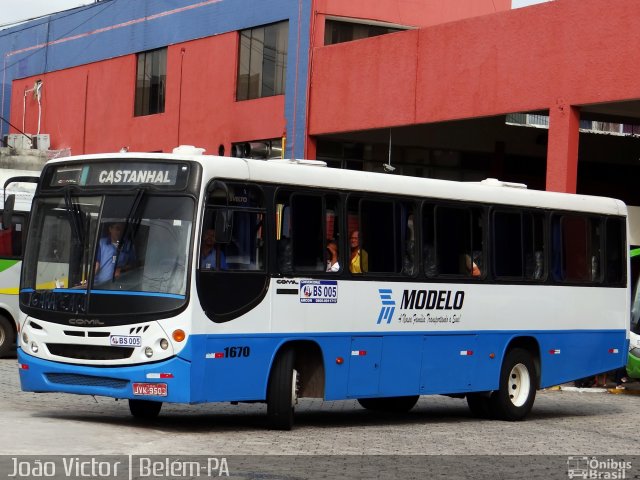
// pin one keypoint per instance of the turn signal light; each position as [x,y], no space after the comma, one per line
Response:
[178,335]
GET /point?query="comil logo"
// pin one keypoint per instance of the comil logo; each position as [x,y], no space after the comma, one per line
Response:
[388,305]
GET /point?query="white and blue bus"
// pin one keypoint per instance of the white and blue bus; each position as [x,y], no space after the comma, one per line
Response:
[233,280]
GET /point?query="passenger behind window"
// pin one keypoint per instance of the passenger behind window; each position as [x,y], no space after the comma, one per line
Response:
[332,257]
[430,267]
[210,254]
[409,266]
[359,262]
[470,267]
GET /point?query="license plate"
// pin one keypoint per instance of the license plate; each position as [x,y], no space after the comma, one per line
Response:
[318,291]
[150,389]
[124,341]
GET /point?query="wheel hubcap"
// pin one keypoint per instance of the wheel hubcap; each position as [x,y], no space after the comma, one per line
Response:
[519,385]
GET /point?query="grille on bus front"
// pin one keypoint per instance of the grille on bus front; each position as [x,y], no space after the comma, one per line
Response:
[89,352]
[86,380]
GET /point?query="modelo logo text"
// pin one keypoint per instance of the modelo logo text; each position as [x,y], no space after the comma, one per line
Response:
[432,300]
[134,176]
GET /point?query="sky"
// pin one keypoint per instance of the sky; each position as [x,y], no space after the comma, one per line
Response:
[17,10]
[515,3]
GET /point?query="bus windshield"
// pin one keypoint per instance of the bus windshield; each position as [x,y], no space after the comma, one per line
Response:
[85,249]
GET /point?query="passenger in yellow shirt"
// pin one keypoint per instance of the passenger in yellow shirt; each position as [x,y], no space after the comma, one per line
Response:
[359,258]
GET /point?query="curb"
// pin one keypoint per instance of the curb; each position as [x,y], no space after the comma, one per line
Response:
[614,391]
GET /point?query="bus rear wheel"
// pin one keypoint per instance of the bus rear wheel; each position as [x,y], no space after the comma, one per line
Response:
[7,336]
[514,399]
[145,409]
[282,391]
[390,404]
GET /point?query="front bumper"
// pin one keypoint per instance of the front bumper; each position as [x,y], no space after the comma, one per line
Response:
[37,375]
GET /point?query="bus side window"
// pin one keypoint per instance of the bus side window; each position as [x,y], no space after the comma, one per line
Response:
[576,248]
[332,234]
[615,246]
[6,241]
[283,237]
[533,245]
[408,240]
[477,266]
[307,221]
[378,237]
[428,239]
[12,239]
[508,246]
[518,245]
[305,226]
[453,240]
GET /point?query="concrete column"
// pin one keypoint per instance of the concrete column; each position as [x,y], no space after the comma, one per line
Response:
[562,149]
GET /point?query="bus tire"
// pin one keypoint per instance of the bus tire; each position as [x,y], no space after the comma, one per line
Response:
[390,404]
[282,391]
[144,409]
[514,399]
[480,405]
[7,336]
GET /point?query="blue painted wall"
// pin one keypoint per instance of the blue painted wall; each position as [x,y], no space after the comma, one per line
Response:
[114,28]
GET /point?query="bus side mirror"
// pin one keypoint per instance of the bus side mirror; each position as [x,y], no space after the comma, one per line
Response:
[224,226]
[7,214]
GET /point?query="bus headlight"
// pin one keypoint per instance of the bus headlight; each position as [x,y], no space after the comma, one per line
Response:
[148,352]
[164,344]
[34,347]
[635,352]
[25,339]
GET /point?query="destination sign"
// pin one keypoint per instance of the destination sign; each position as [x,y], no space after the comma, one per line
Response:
[120,173]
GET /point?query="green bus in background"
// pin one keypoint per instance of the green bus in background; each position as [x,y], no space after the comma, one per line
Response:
[633,363]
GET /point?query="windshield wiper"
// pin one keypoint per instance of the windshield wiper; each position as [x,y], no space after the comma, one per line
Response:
[78,230]
[74,215]
[134,218]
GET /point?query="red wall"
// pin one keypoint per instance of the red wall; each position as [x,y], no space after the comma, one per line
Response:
[90,108]
[550,56]
[410,12]
[565,52]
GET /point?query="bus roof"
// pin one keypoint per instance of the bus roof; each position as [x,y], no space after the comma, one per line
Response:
[299,173]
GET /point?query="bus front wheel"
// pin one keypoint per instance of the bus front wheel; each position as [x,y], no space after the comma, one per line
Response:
[144,409]
[7,336]
[514,399]
[282,391]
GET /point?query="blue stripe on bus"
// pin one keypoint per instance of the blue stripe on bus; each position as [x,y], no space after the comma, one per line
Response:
[134,293]
[393,364]
[112,292]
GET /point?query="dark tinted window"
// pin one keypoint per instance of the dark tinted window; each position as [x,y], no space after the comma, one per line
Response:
[151,79]
[576,243]
[262,61]
[339,32]
[518,245]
